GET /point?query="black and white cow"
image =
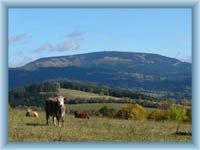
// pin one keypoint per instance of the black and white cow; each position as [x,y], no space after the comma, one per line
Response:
[55,107]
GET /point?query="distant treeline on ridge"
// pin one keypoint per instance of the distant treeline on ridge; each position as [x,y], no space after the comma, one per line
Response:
[34,94]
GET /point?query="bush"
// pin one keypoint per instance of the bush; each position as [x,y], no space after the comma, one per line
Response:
[124,112]
[179,114]
[135,111]
[158,114]
[106,112]
[138,112]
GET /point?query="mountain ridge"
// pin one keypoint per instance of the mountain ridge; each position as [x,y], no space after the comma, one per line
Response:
[111,68]
[91,53]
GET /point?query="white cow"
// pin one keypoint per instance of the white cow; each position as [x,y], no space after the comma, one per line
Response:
[55,107]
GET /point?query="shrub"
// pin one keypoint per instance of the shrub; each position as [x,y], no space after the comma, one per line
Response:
[124,112]
[177,113]
[135,111]
[106,112]
[138,112]
[158,114]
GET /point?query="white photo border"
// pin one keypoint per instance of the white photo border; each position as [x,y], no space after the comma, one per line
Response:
[6,4]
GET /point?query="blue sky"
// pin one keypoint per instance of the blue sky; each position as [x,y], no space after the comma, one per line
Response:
[37,33]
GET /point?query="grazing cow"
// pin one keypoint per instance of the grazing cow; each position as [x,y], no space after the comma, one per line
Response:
[31,113]
[83,115]
[55,107]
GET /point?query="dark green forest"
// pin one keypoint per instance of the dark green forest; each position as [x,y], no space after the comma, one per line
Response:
[36,94]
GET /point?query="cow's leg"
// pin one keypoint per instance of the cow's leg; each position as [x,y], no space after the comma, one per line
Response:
[54,120]
[58,119]
[63,121]
[47,119]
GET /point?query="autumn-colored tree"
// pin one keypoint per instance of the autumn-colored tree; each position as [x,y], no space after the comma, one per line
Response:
[138,112]
[158,114]
[135,111]
[179,114]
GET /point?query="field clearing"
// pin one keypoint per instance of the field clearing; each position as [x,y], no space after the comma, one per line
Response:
[22,128]
[81,94]
[95,106]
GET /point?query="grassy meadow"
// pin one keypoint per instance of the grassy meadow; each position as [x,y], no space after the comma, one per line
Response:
[80,94]
[94,106]
[22,128]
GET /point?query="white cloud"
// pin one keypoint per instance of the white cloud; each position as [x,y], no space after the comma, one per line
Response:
[64,46]
[67,45]
[17,38]
[71,43]
[45,47]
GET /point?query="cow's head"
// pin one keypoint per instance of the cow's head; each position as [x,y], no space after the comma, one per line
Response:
[60,101]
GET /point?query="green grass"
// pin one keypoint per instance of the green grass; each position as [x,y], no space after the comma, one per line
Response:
[81,94]
[22,128]
[94,106]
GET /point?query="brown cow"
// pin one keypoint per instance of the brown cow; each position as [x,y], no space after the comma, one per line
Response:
[83,115]
[31,113]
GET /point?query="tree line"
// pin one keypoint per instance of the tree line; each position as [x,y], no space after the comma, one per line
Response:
[36,94]
[30,95]
[103,90]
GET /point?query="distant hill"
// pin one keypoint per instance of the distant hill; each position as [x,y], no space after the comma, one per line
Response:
[115,69]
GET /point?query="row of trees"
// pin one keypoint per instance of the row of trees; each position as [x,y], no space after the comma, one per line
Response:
[43,87]
[103,90]
[137,112]
[33,95]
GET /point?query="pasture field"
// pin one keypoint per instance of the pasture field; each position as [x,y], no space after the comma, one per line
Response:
[95,106]
[22,128]
[81,94]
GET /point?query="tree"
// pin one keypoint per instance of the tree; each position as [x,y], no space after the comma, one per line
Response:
[107,112]
[134,111]
[158,114]
[138,112]
[179,114]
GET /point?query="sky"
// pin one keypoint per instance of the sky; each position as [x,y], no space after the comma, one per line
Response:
[38,33]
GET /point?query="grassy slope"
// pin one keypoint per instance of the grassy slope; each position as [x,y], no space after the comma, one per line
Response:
[95,106]
[81,94]
[22,128]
